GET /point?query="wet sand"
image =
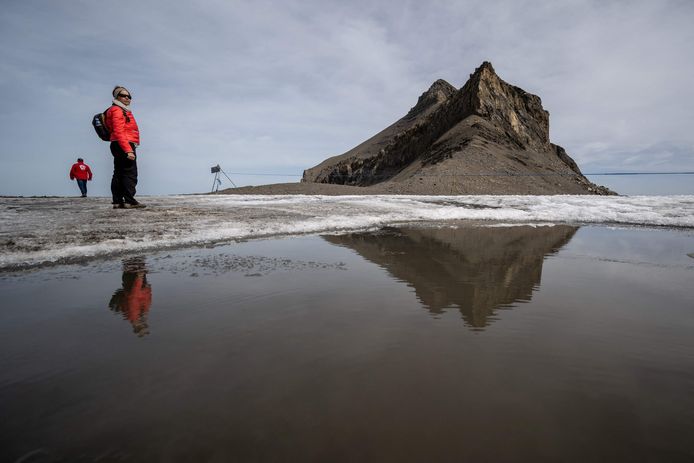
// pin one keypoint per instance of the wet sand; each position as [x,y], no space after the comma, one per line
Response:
[451,343]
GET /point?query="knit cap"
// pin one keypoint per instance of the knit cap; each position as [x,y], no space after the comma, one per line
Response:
[119,89]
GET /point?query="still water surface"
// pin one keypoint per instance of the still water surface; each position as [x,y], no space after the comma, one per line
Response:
[412,344]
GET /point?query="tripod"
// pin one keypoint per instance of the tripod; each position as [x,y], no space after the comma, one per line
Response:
[218,181]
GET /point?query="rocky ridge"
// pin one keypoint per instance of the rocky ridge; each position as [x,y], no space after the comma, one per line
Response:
[488,137]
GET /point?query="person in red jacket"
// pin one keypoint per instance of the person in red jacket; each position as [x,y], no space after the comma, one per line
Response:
[82,173]
[125,137]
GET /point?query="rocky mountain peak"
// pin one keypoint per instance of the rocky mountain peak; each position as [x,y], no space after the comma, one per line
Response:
[441,87]
[485,70]
[518,113]
[489,137]
[439,92]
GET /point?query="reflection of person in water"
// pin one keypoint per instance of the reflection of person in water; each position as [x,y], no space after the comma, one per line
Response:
[135,297]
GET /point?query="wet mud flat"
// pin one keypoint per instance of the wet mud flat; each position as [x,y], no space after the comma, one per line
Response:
[446,343]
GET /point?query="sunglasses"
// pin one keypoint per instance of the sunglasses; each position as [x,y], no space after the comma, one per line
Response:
[125,96]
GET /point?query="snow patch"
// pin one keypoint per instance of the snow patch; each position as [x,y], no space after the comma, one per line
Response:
[34,231]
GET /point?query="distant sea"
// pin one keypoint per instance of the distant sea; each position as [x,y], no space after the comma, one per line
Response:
[651,184]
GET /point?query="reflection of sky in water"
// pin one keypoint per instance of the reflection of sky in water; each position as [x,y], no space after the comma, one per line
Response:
[297,349]
[634,245]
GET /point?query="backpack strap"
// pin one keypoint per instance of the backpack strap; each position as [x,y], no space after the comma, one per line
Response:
[125,113]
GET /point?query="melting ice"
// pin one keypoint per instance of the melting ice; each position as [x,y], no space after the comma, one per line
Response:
[34,231]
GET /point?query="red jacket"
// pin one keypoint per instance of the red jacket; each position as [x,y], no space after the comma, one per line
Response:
[123,128]
[80,171]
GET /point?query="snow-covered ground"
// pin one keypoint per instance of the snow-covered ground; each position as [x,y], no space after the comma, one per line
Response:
[34,231]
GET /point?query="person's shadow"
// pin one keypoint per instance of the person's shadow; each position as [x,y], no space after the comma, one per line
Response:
[134,298]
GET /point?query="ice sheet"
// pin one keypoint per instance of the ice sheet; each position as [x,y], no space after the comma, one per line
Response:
[34,231]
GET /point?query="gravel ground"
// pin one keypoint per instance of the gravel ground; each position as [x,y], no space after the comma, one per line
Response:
[430,185]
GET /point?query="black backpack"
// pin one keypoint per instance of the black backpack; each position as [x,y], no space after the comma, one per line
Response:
[99,123]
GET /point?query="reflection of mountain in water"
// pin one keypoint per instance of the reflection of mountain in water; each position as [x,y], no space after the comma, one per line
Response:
[475,269]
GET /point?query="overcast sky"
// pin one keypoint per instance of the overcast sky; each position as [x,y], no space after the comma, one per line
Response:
[277,87]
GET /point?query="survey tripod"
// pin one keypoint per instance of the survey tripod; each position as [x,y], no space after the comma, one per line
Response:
[218,181]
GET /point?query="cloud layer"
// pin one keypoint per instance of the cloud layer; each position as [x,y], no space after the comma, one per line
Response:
[276,87]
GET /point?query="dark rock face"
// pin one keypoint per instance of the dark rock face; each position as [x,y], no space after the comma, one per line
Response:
[489,137]
[439,92]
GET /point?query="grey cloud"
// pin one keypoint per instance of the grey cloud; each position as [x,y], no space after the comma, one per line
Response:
[279,86]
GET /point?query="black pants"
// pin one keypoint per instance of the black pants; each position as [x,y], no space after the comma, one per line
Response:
[124,178]
[83,186]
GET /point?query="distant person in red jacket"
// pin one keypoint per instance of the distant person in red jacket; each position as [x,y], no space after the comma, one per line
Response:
[82,173]
[125,137]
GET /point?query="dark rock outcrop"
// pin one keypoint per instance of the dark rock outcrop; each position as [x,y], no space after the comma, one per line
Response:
[489,137]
